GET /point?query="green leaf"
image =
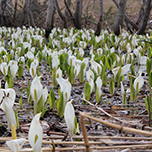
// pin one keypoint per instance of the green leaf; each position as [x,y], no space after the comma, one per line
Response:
[29,61]
[149,65]
[54,78]
[148,103]
[17,121]
[61,105]
[20,71]
[81,73]
[76,126]
[150,78]
[10,82]
[20,102]
[40,105]
[132,91]
[111,86]
[40,56]
[52,99]
[87,90]
[71,74]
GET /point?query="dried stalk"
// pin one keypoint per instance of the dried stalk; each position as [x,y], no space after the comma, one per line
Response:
[100,109]
[131,147]
[119,127]
[84,133]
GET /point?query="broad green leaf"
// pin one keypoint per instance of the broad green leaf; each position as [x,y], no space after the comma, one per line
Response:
[148,103]
[87,90]
[61,105]
[40,105]
[20,71]
[150,78]
[52,99]
[81,73]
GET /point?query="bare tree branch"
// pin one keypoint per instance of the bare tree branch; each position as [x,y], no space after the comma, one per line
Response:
[99,25]
[143,24]
[49,18]
[120,16]
[141,12]
[78,13]
[67,7]
[126,17]
[60,14]
[15,9]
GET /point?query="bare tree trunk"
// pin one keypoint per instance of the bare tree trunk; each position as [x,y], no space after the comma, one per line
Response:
[70,13]
[143,24]
[141,12]
[15,10]
[28,11]
[126,17]
[78,13]
[120,16]
[60,14]
[2,16]
[29,14]
[99,25]
[67,14]
[49,18]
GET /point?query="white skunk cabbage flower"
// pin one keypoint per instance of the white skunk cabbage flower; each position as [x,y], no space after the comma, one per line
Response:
[58,73]
[98,39]
[65,87]
[143,60]
[35,134]
[77,67]
[71,60]
[83,44]
[81,51]
[30,55]
[138,83]
[45,94]
[16,145]
[36,89]
[96,67]
[123,58]
[115,71]
[85,61]
[89,75]
[55,62]
[7,98]
[125,69]
[26,45]
[69,116]
[13,67]
[99,51]
[91,83]
[99,85]
[33,68]
[4,68]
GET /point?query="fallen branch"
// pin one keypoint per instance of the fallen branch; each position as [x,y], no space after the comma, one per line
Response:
[119,127]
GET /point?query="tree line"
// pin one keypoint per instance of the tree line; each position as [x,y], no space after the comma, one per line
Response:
[15,13]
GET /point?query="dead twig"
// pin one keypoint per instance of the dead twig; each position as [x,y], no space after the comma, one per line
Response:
[84,131]
[119,127]
[100,109]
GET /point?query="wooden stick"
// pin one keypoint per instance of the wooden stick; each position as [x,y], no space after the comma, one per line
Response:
[84,133]
[101,137]
[89,137]
[47,149]
[119,127]
[93,142]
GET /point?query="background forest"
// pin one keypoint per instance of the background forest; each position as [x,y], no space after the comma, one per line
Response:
[97,14]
